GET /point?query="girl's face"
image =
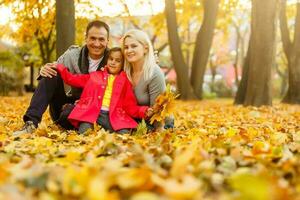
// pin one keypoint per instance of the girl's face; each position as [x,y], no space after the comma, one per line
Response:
[134,51]
[115,62]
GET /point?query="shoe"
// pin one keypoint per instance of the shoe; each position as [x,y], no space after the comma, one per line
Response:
[28,127]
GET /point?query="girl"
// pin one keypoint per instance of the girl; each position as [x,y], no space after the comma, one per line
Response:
[107,97]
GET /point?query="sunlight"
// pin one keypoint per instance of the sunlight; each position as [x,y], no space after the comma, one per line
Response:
[115,7]
[5,12]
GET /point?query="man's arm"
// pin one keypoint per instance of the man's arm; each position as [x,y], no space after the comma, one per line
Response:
[68,59]
[48,70]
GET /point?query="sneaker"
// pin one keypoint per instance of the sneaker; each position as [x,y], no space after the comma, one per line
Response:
[28,127]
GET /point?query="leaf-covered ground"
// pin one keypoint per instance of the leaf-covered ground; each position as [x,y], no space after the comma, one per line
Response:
[216,151]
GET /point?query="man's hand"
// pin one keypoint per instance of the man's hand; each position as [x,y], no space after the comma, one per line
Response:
[48,70]
[149,113]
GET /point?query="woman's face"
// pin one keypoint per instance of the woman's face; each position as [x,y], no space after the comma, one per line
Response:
[134,51]
[115,62]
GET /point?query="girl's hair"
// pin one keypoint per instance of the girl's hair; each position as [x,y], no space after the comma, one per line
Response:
[149,62]
[116,49]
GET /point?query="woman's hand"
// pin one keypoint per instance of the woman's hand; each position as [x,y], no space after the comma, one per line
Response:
[149,113]
[48,70]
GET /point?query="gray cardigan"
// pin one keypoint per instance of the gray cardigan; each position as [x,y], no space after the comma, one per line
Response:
[146,91]
[70,59]
[76,60]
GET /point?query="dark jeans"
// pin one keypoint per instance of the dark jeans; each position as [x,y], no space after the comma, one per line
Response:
[103,120]
[50,91]
[169,123]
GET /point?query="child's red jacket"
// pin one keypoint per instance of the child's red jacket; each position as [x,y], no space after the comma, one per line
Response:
[123,104]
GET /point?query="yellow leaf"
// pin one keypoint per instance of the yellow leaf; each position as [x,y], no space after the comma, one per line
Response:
[183,160]
[71,156]
[260,147]
[139,178]
[145,196]
[187,188]
[98,189]
[75,180]
[3,174]
[164,105]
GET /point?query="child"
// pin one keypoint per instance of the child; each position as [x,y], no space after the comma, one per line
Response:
[107,97]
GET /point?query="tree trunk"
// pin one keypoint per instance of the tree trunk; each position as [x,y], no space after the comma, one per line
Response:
[203,45]
[188,40]
[241,92]
[213,71]
[284,79]
[292,52]
[237,55]
[65,25]
[262,56]
[183,84]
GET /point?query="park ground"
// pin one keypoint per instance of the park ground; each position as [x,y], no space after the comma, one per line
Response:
[216,151]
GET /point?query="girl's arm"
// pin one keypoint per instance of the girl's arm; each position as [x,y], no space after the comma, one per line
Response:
[130,103]
[75,80]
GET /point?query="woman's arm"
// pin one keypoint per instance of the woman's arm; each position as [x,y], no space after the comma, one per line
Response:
[75,80]
[157,85]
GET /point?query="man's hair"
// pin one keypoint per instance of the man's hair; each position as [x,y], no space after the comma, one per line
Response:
[97,24]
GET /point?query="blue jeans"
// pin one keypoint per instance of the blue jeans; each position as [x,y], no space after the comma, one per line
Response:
[169,123]
[103,120]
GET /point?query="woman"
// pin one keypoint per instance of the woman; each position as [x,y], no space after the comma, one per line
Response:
[140,66]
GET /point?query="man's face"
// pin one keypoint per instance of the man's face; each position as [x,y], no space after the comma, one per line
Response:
[96,42]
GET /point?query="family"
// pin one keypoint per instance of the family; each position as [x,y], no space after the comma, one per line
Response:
[114,88]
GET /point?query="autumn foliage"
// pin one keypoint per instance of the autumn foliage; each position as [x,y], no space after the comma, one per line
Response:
[164,105]
[216,151]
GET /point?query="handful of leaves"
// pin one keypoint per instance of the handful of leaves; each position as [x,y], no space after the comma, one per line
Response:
[164,105]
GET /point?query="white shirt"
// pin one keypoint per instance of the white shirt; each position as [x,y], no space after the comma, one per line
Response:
[93,64]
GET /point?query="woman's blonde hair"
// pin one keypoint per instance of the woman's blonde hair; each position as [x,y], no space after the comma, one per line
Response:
[149,62]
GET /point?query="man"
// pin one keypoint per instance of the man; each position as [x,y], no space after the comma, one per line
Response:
[50,90]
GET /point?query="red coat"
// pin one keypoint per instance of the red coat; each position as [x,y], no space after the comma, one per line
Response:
[123,104]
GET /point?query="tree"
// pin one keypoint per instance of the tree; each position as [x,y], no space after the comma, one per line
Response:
[11,72]
[203,45]
[36,21]
[238,22]
[65,25]
[292,53]
[232,26]
[181,68]
[188,89]
[255,86]
[242,88]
